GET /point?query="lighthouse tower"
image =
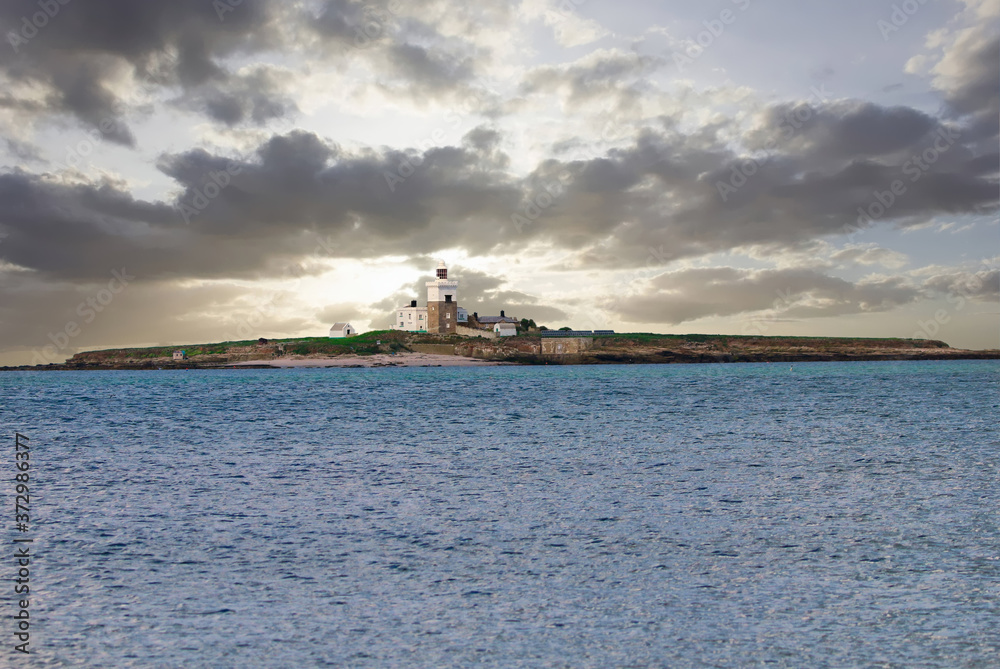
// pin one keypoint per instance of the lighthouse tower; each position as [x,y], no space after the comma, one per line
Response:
[442,303]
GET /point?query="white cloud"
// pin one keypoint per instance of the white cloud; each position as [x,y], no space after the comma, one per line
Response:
[570,28]
[870,255]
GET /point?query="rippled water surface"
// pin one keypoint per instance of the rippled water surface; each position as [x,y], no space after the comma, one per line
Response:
[827,515]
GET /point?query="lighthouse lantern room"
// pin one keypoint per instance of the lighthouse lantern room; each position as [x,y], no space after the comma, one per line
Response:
[442,302]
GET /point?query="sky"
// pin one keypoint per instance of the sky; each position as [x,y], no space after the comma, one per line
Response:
[210,170]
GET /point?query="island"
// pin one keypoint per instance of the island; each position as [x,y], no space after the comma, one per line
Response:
[395,348]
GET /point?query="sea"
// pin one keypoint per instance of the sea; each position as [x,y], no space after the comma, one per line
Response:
[727,515]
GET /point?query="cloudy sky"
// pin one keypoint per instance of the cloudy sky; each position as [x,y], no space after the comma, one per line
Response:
[199,170]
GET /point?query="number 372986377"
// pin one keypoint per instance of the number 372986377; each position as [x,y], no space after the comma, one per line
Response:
[21,489]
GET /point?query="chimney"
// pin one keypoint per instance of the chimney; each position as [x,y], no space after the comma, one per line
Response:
[413,303]
[501,313]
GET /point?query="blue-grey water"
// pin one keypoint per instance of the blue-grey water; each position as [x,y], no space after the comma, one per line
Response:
[824,515]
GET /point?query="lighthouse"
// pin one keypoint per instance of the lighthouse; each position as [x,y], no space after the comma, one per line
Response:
[442,302]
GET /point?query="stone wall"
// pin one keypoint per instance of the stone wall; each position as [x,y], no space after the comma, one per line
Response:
[499,349]
[473,332]
[566,345]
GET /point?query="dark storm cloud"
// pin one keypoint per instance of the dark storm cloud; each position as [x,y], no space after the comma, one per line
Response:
[258,97]
[680,195]
[90,56]
[850,129]
[73,231]
[667,193]
[297,196]
[686,295]
[300,195]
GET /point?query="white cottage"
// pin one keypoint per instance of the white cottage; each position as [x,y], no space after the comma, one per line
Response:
[505,329]
[342,330]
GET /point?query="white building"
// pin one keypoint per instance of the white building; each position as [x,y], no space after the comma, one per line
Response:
[505,329]
[441,308]
[342,330]
[411,318]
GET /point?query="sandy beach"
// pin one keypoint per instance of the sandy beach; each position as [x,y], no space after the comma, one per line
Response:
[377,360]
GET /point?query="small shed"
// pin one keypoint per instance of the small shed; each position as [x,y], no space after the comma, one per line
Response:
[342,330]
[180,355]
[505,329]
